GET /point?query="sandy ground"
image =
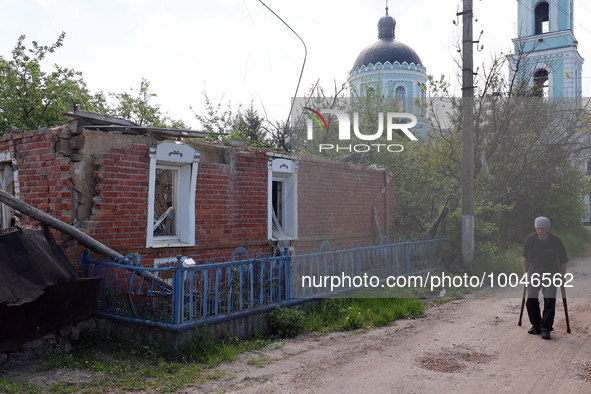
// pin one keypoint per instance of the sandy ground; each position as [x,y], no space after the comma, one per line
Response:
[473,345]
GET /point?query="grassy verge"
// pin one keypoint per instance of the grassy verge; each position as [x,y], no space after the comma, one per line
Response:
[122,367]
[342,314]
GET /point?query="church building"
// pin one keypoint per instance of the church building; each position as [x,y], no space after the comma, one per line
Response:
[546,58]
[392,67]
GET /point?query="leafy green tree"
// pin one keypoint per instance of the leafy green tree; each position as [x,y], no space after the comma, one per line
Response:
[31,97]
[138,108]
[421,190]
[248,126]
[243,124]
[217,119]
[528,150]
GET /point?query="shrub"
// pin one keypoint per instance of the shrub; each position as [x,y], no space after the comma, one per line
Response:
[577,240]
[287,322]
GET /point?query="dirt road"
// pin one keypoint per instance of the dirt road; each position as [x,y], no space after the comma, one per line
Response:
[471,345]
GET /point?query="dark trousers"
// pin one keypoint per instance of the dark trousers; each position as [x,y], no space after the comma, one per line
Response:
[546,319]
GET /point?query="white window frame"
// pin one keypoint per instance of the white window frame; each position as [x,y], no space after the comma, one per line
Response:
[183,159]
[283,170]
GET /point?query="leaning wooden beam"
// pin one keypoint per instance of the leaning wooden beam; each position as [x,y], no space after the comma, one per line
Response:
[158,131]
[98,119]
[73,232]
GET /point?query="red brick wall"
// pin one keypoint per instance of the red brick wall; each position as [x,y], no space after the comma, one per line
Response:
[43,178]
[335,200]
[335,204]
[230,207]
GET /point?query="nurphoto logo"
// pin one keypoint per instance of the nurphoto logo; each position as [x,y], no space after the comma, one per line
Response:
[345,129]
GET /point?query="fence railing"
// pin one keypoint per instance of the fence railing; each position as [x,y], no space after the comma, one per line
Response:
[175,294]
[406,257]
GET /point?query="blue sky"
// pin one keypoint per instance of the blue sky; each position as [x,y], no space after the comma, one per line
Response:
[236,49]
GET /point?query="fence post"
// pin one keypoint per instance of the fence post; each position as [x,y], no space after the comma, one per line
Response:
[205,287]
[406,256]
[261,283]
[85,265]
[177,291]
[357,258]
[287,270]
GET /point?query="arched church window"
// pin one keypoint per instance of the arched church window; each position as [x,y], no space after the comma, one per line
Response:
[541,83]
[400,96]
[542,17]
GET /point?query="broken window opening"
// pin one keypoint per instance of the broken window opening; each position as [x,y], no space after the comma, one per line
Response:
[278,204]
[282,201]
[171,196]
[165,202]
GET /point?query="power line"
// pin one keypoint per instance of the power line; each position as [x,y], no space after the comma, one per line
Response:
[303,65]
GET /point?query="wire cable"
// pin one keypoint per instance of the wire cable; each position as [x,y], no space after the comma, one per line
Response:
[303,65]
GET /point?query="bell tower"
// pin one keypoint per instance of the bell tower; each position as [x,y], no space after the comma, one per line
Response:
[546,58]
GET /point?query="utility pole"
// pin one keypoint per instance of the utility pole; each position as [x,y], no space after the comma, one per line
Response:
[467,136]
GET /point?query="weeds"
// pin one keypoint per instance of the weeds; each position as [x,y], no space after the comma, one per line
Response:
[577,241]
[286,322]
[338,314]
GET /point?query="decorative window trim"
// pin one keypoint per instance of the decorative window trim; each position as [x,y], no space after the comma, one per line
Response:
[185,160]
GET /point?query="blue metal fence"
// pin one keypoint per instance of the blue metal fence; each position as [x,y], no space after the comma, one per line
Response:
[406,257]
[176,295]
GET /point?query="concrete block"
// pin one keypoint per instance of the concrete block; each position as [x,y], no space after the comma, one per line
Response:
[50,339]
[77,142]
[36,345]
[63,147]
[64,132]
[76,157]
[75,334]
[76,127]
[89,324]
[19,357]
[65,331]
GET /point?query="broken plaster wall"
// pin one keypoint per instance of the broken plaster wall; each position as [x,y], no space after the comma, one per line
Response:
[82,168]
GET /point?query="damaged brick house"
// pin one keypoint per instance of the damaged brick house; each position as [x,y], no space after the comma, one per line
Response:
[136,192]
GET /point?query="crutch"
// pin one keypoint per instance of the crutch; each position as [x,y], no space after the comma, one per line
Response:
[524,293]
[563,292]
